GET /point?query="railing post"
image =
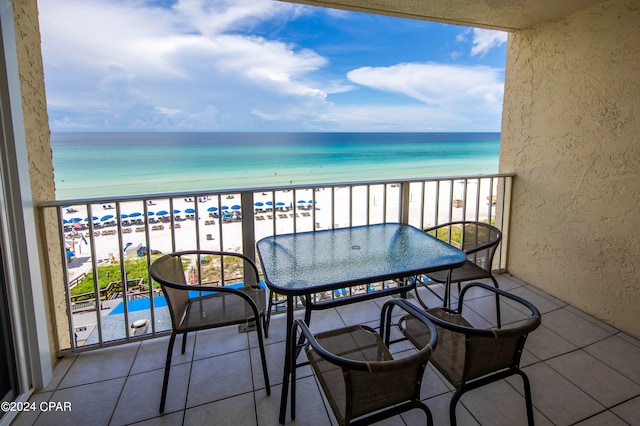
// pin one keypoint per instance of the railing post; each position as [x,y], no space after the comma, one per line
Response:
[405,200]
[248,232]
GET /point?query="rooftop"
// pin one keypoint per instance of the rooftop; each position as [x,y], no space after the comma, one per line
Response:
[582,371]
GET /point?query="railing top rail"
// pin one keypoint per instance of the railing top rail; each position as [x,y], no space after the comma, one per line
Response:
[124,198]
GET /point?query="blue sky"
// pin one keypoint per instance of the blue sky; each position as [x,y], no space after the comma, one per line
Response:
[262,65]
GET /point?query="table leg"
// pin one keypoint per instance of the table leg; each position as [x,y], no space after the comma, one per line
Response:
[287,360]
[447,291]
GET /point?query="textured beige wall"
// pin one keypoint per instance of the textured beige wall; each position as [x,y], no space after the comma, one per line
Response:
[36,126]
[571,132]
[506,15]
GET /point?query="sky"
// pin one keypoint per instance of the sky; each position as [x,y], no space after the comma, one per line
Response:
[262,65]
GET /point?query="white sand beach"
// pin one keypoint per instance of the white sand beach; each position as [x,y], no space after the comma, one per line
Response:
[299,211]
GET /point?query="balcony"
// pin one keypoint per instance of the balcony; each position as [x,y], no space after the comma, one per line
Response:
[582,371]
[111,375]
[567,132]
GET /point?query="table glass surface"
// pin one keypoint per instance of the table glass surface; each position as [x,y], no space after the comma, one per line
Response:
[329,259]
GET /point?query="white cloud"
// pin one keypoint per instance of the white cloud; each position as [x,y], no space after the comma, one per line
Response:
[485,40]
[438,85]
[125,55]
[168,111]
[198,65]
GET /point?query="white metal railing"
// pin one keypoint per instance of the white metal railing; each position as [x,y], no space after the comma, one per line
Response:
[105,239]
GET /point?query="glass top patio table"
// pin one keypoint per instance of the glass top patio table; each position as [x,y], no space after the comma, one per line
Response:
[297,264]
[311,262]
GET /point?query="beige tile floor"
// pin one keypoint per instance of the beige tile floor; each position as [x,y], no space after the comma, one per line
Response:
[582,372]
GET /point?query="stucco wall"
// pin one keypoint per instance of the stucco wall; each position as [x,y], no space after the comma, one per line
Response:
[38,147]
[571,132]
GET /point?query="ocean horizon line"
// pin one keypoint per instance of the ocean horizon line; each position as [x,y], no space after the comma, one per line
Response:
[101,164]
[255,131]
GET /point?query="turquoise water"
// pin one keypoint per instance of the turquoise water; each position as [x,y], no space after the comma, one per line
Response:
[115,164]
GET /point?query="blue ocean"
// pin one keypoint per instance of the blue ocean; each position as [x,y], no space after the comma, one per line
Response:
[115,164]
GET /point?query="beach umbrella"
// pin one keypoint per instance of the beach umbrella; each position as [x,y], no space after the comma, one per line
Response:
[86,219]
[236,207]
[269,203]
[75,219]
[123,216]
[176,211]
[106,217]
[225,207]
[189,211]
[259,204]
[212,209]
[150,213]
[162,213]
[135,214]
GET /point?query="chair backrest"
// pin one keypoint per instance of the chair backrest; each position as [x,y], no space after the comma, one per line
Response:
[478,239]
[489,354]
[466,353]
[169,272]
[386,383]
[357,371]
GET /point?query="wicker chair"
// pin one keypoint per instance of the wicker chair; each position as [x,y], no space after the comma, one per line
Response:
[360,378]
[479,241]
[219,306]
[470,357]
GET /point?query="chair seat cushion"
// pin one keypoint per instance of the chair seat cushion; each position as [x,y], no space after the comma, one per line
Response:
[467,272]
[222,309]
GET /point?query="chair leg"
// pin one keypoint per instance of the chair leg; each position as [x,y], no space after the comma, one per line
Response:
[427,412]
[265,325]
[418,298]
[452,406]
[167,368]
[184,342]
[498,316]
[263,356]
[268,316]
[527,396]
[294,345]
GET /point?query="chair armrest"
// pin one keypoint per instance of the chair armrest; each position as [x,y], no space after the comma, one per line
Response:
[492,289]
[411,309]
[459,326]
